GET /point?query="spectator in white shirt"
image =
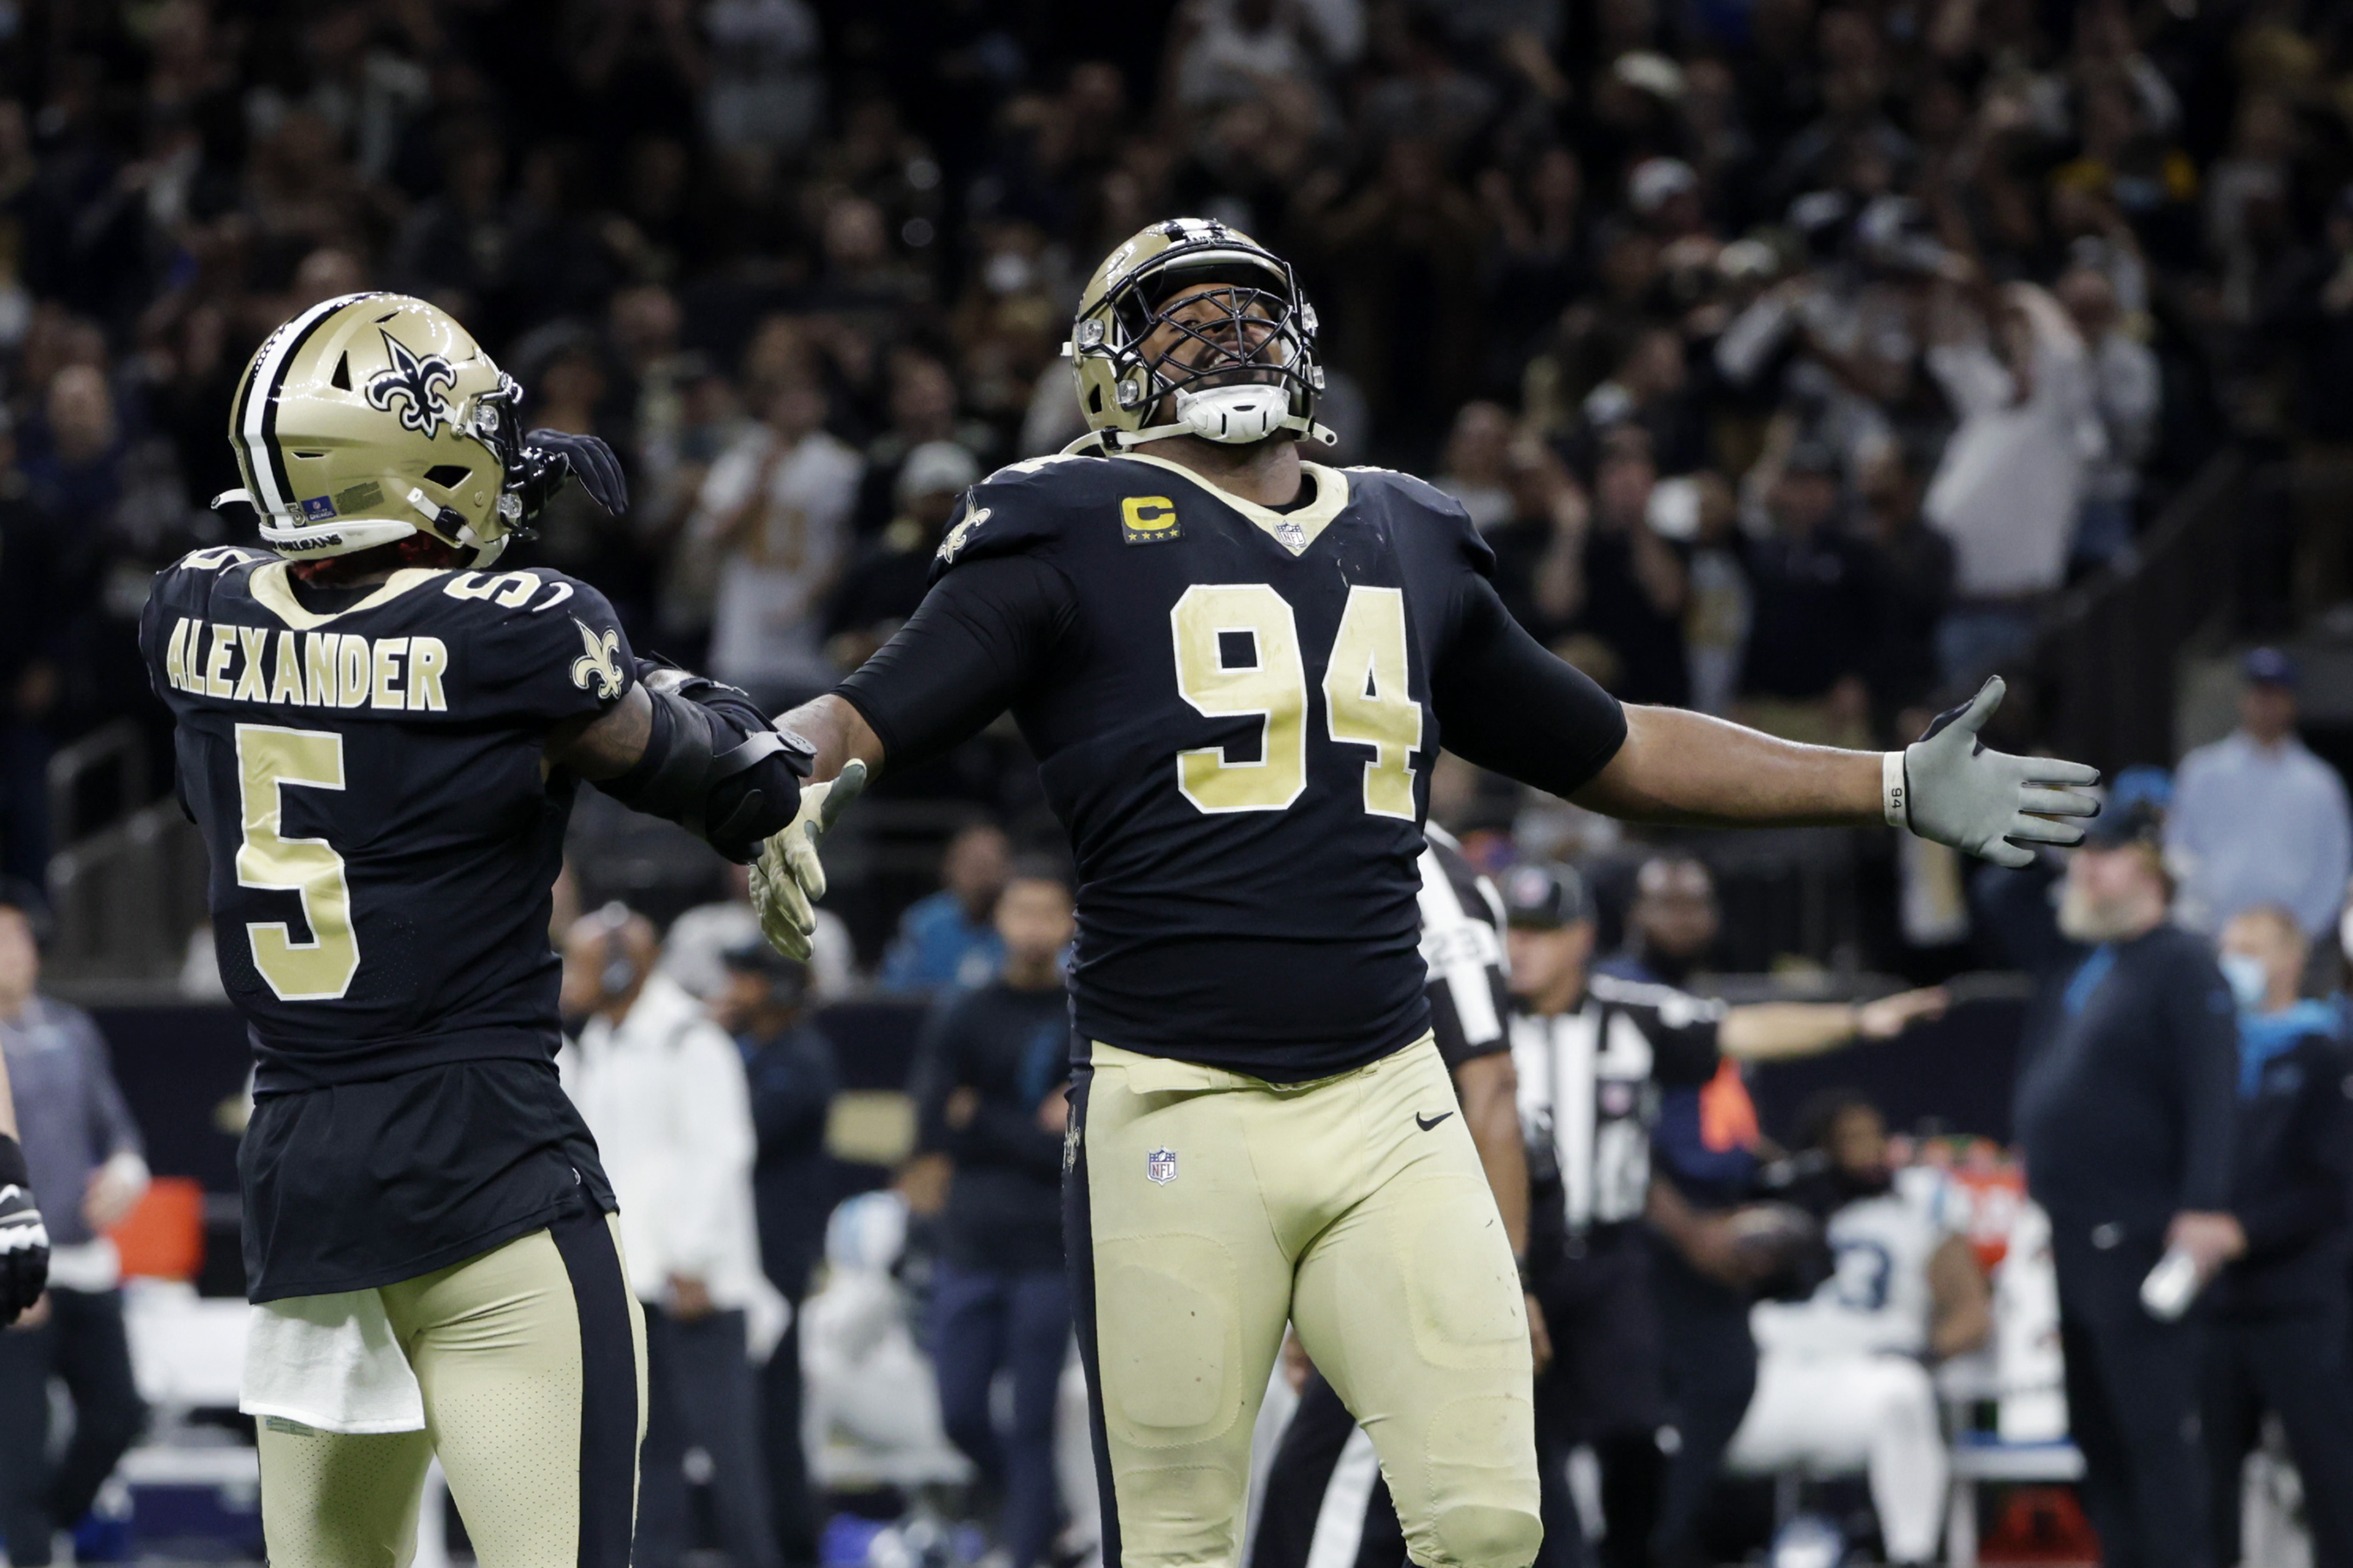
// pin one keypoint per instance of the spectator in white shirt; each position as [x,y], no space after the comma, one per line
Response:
[2013,475]
[2257,818]
[663,1088]
[775,511]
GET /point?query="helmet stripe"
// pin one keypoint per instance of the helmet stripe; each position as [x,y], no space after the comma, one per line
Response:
[257,419]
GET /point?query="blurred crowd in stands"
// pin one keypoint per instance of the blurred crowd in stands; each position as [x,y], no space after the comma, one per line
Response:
[1794,355]
[1791,353]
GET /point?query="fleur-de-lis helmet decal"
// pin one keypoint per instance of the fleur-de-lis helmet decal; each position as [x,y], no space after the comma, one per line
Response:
[415,383]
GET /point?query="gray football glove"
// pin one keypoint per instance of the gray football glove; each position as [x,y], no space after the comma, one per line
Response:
[1947,786]
[787,879]
[24,1239]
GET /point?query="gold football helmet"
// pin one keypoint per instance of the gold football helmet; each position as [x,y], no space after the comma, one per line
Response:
[1238,364]
[371,418]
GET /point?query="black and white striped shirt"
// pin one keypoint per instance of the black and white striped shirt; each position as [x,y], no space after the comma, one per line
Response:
[1589,1083]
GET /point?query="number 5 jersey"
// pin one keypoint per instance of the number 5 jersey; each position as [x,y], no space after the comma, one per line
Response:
[366,767]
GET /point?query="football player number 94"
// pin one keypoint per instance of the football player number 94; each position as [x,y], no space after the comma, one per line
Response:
[270,761]
[1237,656]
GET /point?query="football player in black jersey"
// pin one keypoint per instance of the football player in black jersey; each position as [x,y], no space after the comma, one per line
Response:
[381,739]
[1235,668]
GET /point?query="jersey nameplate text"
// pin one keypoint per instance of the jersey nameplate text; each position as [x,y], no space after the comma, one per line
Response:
[306,670]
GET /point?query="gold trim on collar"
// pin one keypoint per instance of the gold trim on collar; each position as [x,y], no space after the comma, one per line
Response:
[273,593]
[1282,527]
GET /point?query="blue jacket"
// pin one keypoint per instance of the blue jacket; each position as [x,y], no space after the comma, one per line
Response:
[938,949]
[2292,1182]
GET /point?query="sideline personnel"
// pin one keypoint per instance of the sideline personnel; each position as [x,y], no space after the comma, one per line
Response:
[793,1078]
[1234,669]
[2280,1308]
[1593,1055]
[79,1140]
[2126,1113]
[661,1086]
[990,1078]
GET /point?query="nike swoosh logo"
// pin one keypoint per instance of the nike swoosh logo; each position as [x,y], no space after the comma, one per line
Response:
[1426,1124]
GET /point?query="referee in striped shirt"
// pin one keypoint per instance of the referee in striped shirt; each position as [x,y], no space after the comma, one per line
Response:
[1564,1135]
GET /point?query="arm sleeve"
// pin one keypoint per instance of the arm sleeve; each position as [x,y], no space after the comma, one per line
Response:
[977,638]
[2206,1035]
[1506,704]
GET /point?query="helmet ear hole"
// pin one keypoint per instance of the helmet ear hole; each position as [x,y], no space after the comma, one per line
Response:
[1095,400]
[449,476]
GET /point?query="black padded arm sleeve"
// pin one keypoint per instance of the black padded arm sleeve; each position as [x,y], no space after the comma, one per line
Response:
[978,637]
[712,763]
[1508,705]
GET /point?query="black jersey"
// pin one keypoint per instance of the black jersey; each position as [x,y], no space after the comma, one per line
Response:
[1590,1081]
[367,769]
[1235,711]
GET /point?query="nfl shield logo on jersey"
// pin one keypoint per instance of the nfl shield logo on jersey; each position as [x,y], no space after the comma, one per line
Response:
[1161,1166]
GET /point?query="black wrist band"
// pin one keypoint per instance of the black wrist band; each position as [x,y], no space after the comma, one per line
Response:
[14,1172]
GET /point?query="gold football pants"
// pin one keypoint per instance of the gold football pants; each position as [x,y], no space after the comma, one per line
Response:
[1205,1209]
[533,1360]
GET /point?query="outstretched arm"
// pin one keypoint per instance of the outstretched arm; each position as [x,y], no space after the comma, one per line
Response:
[1782,1031]
[976,639]
[605,745]
[838,732]
[1683,767]
[1508,705]
[691,751]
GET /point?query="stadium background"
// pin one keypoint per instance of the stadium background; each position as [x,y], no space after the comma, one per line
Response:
[1625,274]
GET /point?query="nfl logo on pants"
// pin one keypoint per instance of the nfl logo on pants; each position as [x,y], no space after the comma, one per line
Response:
[1161,1166]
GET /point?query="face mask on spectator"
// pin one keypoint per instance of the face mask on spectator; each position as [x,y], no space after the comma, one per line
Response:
[2248,979]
